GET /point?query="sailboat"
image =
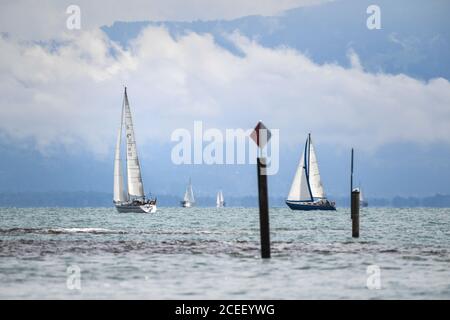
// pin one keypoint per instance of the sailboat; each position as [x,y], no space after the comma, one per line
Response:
[362,201]
[220,202]
[133,199]
[307,192]
[188,200]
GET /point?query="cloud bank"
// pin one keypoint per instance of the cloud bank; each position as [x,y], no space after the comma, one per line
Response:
[70,94]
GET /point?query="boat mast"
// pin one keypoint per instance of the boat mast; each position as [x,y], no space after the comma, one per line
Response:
[308,163]
[351,173]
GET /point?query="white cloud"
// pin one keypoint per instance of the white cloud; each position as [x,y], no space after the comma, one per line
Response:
[46,19]
[72,95]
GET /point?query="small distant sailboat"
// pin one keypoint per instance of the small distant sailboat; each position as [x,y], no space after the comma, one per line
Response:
[133,200]
[307,191]
[188,200]
[220,202]
[362,201]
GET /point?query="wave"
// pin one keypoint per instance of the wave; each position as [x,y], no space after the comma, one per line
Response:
[13,231]
[237,248]
[18,231]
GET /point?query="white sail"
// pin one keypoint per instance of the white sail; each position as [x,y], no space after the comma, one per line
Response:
[299,188]
[219,199]
[189,194]
[135,186]
[361,198]
[119,195]
[314,175]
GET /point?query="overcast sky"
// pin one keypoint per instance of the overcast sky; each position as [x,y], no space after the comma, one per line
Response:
[68,92]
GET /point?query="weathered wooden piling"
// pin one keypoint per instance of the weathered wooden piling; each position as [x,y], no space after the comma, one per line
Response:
[355,214]
[351,180]
[263,208]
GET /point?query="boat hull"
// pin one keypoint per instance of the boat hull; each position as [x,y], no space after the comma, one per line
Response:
[310,206]
[187,204]
[136,208]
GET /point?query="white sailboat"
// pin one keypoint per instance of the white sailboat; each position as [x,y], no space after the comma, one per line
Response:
[220,201]
[307,191]
[133,199]
[362,201]
[188,200]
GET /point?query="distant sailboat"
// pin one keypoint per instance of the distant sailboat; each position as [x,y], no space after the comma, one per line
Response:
[307,191]
[188,200]
[133,200]
[220,202]
[362,202]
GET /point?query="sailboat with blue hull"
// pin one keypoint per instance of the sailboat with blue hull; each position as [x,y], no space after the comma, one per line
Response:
[307,191]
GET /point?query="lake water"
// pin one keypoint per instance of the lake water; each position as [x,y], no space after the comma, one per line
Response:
[208,253]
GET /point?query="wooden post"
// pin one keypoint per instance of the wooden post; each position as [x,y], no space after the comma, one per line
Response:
[351,181]
[355,214]
[263,208]
[261,135]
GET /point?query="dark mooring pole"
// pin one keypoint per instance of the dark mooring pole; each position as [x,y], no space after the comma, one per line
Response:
[355,214]
[263,208]
[351,179]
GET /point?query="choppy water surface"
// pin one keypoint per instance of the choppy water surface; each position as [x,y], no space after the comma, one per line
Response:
[208,253]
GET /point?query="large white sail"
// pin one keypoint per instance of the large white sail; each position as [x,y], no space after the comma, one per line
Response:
[119,195]
[299,188]
[314,175]
[135,186]
[189,194]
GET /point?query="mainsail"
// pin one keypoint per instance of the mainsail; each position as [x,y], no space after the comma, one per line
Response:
[119,194]
[189,194]
[135,186]
[307,185]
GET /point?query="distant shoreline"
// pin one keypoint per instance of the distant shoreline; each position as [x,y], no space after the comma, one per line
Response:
[84,199]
